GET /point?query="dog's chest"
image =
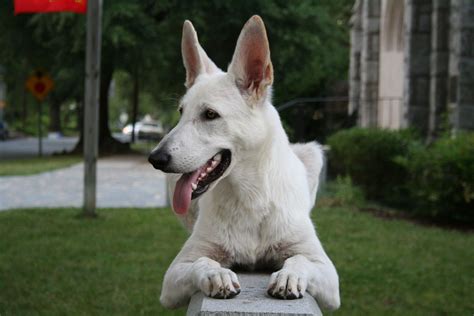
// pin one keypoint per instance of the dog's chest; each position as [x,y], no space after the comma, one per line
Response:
[253,232]
[254,245]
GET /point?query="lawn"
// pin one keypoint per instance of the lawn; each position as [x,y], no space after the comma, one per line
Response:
[52,263]
[28,166]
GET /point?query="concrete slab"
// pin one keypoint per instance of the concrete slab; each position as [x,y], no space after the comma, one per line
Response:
[252,301]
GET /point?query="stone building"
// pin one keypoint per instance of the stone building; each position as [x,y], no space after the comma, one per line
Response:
[412,64]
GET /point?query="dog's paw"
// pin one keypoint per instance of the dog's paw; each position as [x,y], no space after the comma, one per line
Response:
[287,285]
[219,283]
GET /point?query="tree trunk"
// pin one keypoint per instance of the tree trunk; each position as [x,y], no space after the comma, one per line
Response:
[136,91]
[105,80]
[80,116]
[55,116]
[107,144]
[24,111]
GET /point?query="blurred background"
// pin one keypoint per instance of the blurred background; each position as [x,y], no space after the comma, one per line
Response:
[142,72]
[385,85]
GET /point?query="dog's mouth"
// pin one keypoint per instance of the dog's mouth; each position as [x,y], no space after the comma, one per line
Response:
[193,184]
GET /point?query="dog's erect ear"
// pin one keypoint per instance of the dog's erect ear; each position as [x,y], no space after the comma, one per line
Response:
[195,58]
[251,65]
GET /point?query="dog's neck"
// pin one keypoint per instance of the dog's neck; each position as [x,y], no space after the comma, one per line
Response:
[264,168]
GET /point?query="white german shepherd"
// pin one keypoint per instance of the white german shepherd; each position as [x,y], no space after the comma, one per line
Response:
[252,190]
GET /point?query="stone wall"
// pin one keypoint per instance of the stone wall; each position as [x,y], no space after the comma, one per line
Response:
[356,49]
[369,63]
[391,61]
[439,66]
[438,79]
[417,63]
[461,65]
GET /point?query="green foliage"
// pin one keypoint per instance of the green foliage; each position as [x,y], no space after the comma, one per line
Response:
[368,156]
[394,167]
[309,43]
[441,178]
[342,192]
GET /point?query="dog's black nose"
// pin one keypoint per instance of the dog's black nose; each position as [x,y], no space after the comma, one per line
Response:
[159,159]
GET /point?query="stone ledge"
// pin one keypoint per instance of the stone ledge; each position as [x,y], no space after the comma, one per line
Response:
[252,301]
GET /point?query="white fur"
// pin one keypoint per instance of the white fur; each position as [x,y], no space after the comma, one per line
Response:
[258,211]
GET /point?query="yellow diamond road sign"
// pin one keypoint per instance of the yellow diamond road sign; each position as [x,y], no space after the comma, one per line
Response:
[39,83]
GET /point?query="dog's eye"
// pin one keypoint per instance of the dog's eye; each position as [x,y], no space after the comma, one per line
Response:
[180,110]
[210,114]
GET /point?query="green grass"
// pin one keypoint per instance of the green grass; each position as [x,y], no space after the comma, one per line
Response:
[28,166]
[392,267]
[54,264]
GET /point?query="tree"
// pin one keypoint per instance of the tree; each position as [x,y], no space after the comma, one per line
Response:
[309,45]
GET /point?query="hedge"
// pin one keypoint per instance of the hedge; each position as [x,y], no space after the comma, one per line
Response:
[368,156]
[441,178]
[395,168]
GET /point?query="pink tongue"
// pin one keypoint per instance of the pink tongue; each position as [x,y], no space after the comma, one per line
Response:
[183,191]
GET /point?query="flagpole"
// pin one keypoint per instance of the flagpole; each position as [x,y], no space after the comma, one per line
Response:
[91,105]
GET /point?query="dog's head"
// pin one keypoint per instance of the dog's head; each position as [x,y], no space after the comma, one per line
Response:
[222,114]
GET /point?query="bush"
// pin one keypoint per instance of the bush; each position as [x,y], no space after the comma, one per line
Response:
[441,178]
[368,156]
[342,192]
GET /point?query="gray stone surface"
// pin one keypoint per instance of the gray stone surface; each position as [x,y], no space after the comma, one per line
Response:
[122,182]
[438,69]
[417,63]
[439,63]
[252,301]
[461,65]
[369,64]
[356,48]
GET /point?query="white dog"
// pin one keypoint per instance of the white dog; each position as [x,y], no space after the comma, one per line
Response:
[255,190]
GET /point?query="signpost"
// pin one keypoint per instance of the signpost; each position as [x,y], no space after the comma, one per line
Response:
[91,104]
[39,83]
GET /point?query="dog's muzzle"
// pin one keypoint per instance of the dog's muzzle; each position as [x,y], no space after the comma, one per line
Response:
[159,159]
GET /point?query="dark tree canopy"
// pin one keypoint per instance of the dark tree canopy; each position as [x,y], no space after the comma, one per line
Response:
[308,40]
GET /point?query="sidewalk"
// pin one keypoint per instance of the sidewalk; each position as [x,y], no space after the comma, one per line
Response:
[122,182]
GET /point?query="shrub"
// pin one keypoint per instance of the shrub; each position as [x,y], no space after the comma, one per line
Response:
[368,156]
[441,178]
[342,192]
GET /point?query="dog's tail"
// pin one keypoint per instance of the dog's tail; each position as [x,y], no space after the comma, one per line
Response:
[311,154]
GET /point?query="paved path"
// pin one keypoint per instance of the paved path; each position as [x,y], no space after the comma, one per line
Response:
[122,182]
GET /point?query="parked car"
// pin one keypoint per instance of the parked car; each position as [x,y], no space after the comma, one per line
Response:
[3,130]
[145,130]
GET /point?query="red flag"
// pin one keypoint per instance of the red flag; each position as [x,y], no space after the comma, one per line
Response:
[35,6]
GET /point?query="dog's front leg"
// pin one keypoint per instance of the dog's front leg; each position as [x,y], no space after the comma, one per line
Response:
[193,271]
[317,276]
